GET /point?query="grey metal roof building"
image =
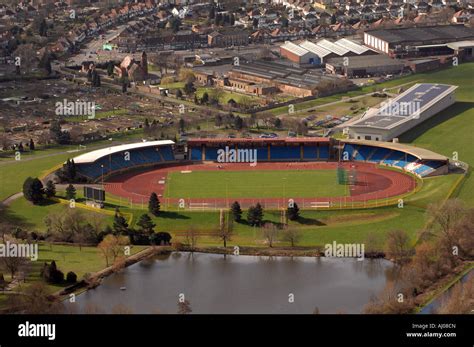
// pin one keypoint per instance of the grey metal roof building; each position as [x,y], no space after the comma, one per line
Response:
[398,115]
[362,66]
[386,40]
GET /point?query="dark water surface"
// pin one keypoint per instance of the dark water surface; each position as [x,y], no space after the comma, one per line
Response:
[242,284]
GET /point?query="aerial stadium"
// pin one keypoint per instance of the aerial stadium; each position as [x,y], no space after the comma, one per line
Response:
[314,172]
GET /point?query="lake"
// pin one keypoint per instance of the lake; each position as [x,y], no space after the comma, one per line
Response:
[242,284]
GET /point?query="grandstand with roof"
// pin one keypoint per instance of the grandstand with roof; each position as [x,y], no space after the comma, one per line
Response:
[418,161]
[104,162]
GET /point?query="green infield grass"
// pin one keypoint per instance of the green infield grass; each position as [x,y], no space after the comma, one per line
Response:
[254,184]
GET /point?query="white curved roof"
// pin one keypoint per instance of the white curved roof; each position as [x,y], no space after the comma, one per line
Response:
[90,157]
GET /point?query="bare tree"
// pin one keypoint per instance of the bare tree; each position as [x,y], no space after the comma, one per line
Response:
[460,299]
[291,235]
[396,245]
[112,246]
[226,228]
[35,299]
[191,237]
[389,301]
[446,215]
[270,232]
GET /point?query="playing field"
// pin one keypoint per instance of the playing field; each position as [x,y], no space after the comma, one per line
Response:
[254,184]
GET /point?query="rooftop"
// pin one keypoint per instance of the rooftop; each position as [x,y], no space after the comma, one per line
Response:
[406,106]
[365,61]
[446,33]
[90,157]
[420,153]
[295,49]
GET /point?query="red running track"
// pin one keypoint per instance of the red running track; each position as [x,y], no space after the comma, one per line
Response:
[372,183]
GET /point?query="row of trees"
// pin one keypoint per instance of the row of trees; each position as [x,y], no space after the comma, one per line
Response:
[35,192]
[446,244]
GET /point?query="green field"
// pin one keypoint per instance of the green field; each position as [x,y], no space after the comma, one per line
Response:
[254,184]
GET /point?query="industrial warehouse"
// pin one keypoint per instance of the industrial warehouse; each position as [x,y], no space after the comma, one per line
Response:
[374,65]
[398,115]
[261,77]
[411,42]
[317,53]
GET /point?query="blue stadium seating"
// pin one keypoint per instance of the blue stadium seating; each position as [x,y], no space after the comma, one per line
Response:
[116,161]
[363,152]
[196,153]
[167,153]
[285,152]
[262,153]
[379,155]
[211,153]
[347,152]
[310,152]
[324,152]
[393,157]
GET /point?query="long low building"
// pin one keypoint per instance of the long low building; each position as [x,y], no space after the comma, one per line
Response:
[357,66]
[251,77]
[398,115]
[398,42]
[317,53]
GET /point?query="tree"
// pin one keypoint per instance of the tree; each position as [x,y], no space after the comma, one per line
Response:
[146,224]
[226,228]
[396,245]
[255,215]
[191,236]
[270,232]
[58,135]
[161,238]
[33,190]
[43,28]
[120,225]
[50,189]
[189,88]
[291,235]
[68,171]
[13,264]
[238,123]
[205,98]
[459,300]
[71,277]
[236,211]
[293,211]
[70,192]
[181,125]
[179,94]
[154,204]
[278,123]
[110,68]
[95,79]
[52,274]
[36,300]
[45,63]
[32,145]
[112,246]
[212,13]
